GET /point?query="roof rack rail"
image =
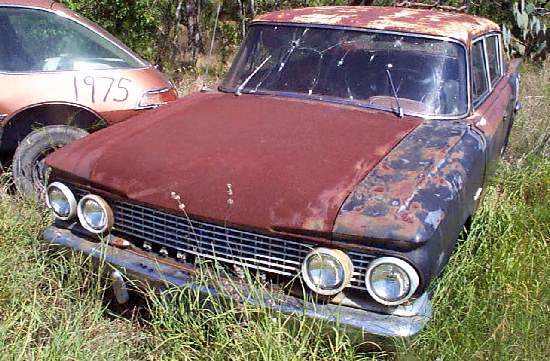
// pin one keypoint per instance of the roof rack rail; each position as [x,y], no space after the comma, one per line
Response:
[436,5]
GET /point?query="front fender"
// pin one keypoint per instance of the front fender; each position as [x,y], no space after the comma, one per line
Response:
[418,198]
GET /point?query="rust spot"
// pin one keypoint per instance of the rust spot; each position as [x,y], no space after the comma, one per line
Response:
[405,201]
[458,26]
[406,217]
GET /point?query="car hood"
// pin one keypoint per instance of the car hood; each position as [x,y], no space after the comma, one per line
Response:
[289,163]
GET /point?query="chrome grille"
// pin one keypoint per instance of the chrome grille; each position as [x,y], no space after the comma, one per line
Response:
[224,244]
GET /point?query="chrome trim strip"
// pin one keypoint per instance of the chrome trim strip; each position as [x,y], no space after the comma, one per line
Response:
[402,33]
[153,91]
[144,63]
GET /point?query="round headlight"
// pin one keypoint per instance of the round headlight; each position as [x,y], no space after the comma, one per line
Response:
[95,214]
[61,201]
[327,271]
[391,281]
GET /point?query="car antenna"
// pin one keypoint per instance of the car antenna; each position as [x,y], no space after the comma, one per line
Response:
[399,108]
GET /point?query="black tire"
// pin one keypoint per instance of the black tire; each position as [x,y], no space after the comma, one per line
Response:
[29,171]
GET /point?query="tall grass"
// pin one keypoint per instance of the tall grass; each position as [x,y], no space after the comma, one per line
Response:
[492,302]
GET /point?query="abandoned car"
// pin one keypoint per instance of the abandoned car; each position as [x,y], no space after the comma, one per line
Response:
[344,153]
[62,76]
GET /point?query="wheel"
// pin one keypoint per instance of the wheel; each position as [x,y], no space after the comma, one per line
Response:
[29,170]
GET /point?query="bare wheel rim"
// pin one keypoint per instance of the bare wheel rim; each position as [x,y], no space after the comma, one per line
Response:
[39,171]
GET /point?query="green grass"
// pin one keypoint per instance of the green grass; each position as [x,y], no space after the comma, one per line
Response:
[492,302]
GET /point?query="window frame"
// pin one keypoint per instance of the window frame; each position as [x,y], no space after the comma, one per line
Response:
[144,64]
[460,43]
[492,83]
[498,57]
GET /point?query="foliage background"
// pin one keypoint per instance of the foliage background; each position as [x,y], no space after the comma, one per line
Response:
[173,33]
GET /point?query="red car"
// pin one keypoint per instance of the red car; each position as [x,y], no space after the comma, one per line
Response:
[344,153]
[62,76]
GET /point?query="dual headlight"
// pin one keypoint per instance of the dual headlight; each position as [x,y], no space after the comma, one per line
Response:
[94,214]
[389,280]
[327,271]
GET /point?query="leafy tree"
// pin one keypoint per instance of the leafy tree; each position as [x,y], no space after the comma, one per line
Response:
[172,33]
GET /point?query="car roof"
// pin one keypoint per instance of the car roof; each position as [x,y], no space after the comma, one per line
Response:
[43,4]
[454,25]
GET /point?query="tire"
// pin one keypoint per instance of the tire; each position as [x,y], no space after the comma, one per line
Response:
[29,170]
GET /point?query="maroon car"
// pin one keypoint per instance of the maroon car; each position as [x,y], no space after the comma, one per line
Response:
[346,150]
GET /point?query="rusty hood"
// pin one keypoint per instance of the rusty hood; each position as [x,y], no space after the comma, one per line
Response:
[290,163]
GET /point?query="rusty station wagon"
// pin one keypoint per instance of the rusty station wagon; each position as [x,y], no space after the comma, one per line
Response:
[346,150]
[62,76]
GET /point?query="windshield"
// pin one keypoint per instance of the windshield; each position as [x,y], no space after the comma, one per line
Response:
[35,40]
[429,75]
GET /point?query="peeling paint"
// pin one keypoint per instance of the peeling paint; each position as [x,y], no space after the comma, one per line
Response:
[421,204]
[458,26]
[434,217]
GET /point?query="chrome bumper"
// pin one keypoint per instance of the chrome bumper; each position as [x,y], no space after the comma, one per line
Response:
[137,265]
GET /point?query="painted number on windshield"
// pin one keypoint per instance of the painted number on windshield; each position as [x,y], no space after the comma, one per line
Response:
[101,89]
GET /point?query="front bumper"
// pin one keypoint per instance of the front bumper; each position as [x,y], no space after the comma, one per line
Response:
[137,265]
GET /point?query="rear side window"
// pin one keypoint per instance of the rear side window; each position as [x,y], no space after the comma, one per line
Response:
[479,71]
[34,40]
[493,57]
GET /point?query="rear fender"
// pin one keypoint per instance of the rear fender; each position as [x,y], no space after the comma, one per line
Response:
[20,123]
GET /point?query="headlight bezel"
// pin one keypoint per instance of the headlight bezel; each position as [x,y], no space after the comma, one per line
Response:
[106,208]
[341,257]
[408,269]
[69,195]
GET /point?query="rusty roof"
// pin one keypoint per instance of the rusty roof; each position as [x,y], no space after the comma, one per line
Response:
[454,25]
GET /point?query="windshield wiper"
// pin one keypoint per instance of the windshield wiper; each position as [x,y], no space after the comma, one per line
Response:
[240,88]
[399,108]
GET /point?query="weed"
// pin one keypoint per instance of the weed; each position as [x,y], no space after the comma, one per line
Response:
[491,303]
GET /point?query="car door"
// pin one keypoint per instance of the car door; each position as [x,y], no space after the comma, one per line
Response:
[493,90]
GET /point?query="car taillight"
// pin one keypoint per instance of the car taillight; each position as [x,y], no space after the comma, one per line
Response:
[156,98]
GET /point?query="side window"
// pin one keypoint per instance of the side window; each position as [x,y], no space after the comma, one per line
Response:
[479,71]
[34,40]
[493,57]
